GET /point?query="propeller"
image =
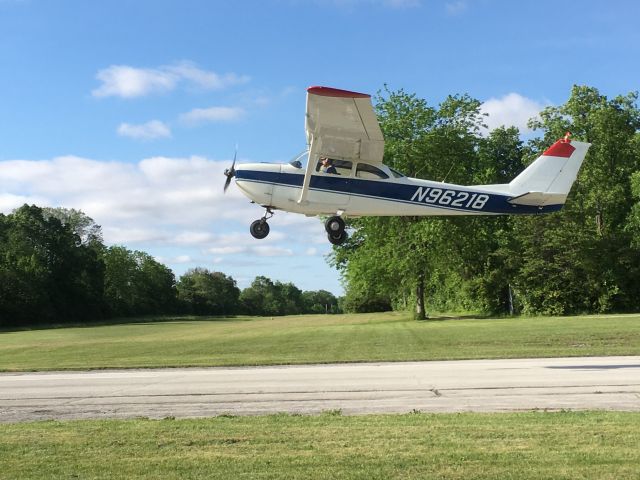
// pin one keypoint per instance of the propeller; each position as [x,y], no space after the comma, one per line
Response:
[230,172]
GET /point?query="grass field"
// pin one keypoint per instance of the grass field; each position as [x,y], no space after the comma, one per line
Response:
[314,339]
[535,445]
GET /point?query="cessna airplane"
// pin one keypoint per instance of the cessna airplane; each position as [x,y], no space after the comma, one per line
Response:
[344,175]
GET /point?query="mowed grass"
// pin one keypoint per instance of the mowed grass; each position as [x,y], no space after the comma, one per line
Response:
[534,445]
[314,339]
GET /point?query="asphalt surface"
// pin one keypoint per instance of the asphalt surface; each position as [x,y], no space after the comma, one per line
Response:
[609,383]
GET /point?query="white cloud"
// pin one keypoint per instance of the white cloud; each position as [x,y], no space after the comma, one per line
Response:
[127,232]
[174,209]
[129,82]
[146,131]
[9,201]
[212,114]
[194,238]
[204,79]
[259,251]
[180,190]
[180,259]
[269,251]
[228,250]
[512,109]
[159,200]
[456,8]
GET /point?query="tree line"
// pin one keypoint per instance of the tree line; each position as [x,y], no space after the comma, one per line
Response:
[55,268]
[585,258]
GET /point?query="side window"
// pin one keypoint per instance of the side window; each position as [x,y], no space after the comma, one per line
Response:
[369,172]
[343,167]
[333,166]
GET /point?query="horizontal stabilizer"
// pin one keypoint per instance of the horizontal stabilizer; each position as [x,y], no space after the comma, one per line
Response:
[539,199]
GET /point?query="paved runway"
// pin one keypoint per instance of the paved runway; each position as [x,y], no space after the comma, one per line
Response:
[611,383]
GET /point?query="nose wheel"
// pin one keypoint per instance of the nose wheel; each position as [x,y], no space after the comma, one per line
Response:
[260,228]
[335,228]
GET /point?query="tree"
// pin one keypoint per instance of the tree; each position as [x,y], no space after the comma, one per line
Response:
[584,258]
[46,274]
[136,284]
[264,297]
[203,292]
[393,259]
[79,223]
[319,301]
[590,257]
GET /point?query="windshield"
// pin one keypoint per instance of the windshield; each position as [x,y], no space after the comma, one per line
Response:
[396,173]
[300,159]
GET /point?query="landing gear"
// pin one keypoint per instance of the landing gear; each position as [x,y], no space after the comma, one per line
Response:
[337,238]
[335,228]
[260,228]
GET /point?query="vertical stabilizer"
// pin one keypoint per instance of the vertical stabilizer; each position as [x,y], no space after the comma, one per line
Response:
[554,171]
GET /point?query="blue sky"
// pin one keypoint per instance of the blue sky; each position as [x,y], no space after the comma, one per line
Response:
[131,110]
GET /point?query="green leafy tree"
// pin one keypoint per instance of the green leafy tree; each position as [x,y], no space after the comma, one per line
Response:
[590,260]
[46,274]
[79,223]
[208,293]
[265,297]
[390,260]
[260,298]
[584,258]
[136,284]
[319,301]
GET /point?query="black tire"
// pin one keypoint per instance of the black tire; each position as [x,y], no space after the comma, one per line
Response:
[259,229]
[334,225]
[337,238]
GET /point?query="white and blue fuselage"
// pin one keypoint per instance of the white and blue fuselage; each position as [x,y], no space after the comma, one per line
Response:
[279,186]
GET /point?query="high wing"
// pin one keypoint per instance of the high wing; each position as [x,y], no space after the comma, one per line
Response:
[345,123]
[340,125]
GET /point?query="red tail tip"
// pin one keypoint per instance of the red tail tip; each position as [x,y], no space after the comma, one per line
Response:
[562,148]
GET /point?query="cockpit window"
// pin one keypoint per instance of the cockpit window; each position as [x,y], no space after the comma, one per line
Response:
[367,171]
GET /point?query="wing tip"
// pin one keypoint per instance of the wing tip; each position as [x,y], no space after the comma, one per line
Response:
[335,92]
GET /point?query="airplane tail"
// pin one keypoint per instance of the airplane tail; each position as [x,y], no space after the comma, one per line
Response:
[549,178]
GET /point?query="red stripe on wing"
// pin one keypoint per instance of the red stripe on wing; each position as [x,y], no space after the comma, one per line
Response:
[335,92]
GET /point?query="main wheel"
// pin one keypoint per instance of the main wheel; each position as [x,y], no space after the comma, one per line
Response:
[337,238]
[259,229]
[334,225]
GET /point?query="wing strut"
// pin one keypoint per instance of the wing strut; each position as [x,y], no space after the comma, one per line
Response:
[314,148]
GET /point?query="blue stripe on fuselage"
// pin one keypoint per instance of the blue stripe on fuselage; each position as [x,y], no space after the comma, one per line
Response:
[397,192]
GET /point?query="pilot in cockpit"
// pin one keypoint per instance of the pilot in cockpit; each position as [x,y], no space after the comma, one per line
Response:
[327,166]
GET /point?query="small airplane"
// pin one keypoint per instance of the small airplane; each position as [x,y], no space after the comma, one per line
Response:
[344,175]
